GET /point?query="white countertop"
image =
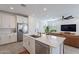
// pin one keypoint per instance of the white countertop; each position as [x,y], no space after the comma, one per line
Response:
[50,40]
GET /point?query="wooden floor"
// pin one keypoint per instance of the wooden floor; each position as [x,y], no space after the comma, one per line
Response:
[13,48]
[24,51]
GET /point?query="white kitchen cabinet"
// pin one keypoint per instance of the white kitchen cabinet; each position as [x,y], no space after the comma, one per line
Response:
[57,50]
[26,44]
[7,20]
[21,19]
[32,46]
[4,39]
[43,45]
[12,21]
[29,44]
[8,38]
[13,38]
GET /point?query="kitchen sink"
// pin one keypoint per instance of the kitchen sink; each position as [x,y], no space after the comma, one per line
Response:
[35,36]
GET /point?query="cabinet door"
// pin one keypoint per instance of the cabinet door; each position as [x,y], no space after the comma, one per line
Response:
[8,20]
[5,20]
[12,21]
[32,46]
[13,38]
[26,43]
[24,20]
[21,19]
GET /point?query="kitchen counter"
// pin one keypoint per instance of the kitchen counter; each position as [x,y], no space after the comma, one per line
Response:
[50,40]
[53,44]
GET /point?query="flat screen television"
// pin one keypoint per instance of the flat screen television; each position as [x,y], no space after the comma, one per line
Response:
[68,27]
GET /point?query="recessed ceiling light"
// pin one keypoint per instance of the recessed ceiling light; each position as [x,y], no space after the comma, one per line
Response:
[11,8]
[44,9]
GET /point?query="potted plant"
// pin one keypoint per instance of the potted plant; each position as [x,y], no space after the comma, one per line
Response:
[47,29]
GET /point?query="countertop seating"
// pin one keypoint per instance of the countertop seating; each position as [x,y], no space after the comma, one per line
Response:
[71,38]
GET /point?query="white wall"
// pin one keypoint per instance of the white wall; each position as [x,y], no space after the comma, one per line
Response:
[33,24]
[71,21]
[60,22]
[42,23]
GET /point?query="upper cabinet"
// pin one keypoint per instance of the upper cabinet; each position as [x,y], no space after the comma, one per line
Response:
[22,19]
[10,20]
[7,20]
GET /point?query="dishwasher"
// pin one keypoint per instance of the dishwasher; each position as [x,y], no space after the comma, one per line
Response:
[41,48]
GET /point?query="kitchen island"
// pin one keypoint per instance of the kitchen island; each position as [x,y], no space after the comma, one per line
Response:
[46,44]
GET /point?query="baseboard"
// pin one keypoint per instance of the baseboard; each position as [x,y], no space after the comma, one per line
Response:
[7,43]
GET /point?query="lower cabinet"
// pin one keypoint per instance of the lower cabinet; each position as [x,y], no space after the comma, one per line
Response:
[29,44]
[32,46]
[26,43]
[36,47]
[9,38]
[4,39]
[13,38]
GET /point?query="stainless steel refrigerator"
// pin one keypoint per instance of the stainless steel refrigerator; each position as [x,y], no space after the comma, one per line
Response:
[22,28]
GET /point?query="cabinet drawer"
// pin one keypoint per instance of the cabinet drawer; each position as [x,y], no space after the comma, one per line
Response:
[41,48]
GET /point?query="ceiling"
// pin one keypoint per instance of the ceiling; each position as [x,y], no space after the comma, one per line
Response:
[52,10]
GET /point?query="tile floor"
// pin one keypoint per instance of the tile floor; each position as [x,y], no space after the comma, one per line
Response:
[15,48]
[70,50]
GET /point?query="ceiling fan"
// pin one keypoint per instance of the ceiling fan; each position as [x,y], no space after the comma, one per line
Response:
[68,17]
